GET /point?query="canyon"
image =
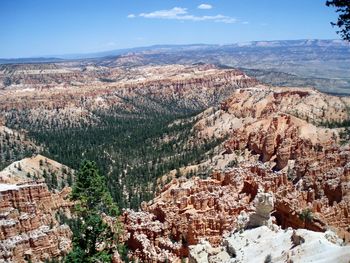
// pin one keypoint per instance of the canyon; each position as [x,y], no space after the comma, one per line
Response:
[53,97]
[284,155]
[280,161]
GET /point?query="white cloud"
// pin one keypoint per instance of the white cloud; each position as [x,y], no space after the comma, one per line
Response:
[205,6]
[131,16]
[173,13]
[180,13]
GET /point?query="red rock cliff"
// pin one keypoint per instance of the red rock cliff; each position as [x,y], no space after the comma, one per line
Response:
[28,226]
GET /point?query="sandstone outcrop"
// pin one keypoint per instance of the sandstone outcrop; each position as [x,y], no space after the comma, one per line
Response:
[188,211]
[277,124]
[29,230]
[287,128]
[204,252]
[262,242]
[308,104]
[281,138]
[73,102]
[264,205]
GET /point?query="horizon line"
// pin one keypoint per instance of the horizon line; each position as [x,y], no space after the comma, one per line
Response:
[77,54]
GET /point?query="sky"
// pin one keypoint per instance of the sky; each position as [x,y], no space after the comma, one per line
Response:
[32,28]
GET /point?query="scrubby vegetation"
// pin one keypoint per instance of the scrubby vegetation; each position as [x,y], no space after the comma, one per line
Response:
[306,215]
[132,148]
[14,146]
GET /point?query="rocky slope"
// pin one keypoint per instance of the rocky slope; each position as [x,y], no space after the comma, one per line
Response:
[277,124]
[161,89]
[30,214]
[38,167]
[257,239]
[29,230]
[276,143]
[190,210]
[248,106]
[280,142]
[14,145]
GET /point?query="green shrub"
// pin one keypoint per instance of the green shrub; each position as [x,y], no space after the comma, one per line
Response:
[306,215]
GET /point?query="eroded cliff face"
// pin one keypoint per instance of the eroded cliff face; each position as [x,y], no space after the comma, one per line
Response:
[278,139]
[276,144]
[158,88]
[284,124]
[29,230]
[190,210]
[281,138]
[262,102]
[258,239]
[305,103]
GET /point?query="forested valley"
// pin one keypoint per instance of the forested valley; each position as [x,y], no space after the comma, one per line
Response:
[132,149]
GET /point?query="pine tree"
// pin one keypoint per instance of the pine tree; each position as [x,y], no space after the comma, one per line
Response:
[54,182]
[91,190]
[70,179]
[92,199]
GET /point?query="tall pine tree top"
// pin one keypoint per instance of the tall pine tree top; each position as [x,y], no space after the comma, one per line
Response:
[91,190]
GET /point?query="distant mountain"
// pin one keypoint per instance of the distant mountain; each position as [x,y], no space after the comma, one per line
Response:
[188,47]
[29,60]
[251,44]
[117,52]
[324,64]
[109,53]
[192,47]
[295,43]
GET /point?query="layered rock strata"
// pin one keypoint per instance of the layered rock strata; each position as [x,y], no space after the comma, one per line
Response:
[29,230]
[190,210]
[177,86]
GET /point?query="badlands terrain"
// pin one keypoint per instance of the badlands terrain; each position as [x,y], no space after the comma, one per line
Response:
[319,63]
[207,163]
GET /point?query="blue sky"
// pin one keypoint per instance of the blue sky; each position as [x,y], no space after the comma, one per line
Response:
[51,27]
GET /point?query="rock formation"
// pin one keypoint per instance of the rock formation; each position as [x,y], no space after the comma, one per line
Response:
[204,252]
[269,243]
[263,204]
[188,211]
[29,230]
[262,242]
[71,101]
[280,155]
[308,104]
